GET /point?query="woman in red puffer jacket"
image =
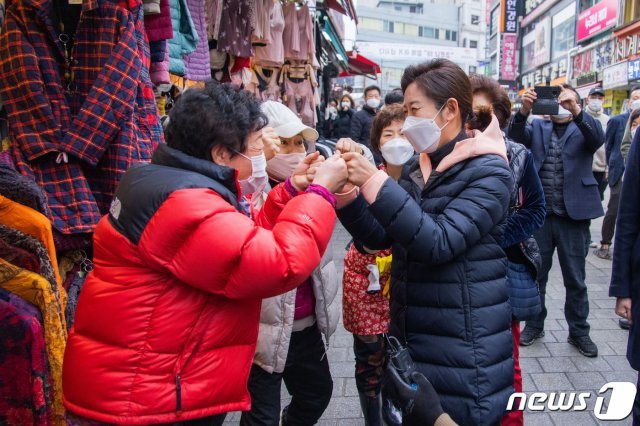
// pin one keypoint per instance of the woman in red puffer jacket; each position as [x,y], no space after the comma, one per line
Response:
[166,325]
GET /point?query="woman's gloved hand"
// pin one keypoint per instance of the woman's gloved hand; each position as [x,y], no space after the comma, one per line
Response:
[419,401]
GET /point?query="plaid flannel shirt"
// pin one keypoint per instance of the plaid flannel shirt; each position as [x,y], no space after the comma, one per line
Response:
[78,145]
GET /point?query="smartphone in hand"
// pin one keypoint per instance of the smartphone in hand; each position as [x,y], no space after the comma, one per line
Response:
[547,102]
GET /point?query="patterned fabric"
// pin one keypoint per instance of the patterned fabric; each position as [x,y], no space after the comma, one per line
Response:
[77,139]
[35,289]
[235,28]
[24,387]
[19,257]
[23,241]
[72,298]
[22,190]
[363,314]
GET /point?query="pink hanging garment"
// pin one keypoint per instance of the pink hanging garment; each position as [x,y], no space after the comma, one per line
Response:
[298,34]
[272,55]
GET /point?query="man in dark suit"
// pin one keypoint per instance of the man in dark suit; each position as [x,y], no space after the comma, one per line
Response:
[625,278]
[563,151]
[613,141]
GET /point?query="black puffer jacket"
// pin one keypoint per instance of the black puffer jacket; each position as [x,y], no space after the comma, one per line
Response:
[449,298]
[342,124]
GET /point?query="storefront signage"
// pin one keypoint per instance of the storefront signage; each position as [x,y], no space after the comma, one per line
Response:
[535,8]
[532,5]
[627,47]
[597,19]
[509,16]
[592,60]
[542,46]
[588,78]
[615,76]
[634,70]
[508,59]
[549,72]
[386,52]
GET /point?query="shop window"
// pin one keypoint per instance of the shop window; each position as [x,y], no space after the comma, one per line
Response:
[411,30]
[564,28]
[371,24]
[631,11]
[398,8]
[388,26]
[451,35]
[475,20]
[472,70]
[426,32]
[473,44]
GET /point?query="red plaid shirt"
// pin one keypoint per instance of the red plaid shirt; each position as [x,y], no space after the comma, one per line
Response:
[106,126]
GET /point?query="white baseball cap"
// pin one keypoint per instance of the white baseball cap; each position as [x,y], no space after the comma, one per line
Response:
[286,123]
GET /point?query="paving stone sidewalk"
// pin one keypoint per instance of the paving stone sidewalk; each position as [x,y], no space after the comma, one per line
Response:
[551,364]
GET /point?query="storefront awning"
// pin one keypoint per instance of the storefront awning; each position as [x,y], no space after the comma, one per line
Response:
[342,6]
[334,43]
[359,65]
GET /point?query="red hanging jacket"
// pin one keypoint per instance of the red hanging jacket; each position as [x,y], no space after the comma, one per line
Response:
[167,323]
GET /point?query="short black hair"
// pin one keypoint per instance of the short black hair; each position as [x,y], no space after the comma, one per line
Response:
[634,88]
[394,97]
[570,87]
[371,88]
[214,114]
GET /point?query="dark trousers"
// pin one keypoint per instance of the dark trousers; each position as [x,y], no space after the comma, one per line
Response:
[307,378]
[206,421]
[609,222]
[602,183]
[571,238]
[369,352]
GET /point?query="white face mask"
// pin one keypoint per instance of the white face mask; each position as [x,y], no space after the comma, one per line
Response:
[281,166]
[397,151]
[634,105]
[373,103]
[595,105]
[562,113]
[346,105]
[423,133]
[256,183]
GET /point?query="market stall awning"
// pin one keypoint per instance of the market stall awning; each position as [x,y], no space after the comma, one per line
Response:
[359,65]
[343,6]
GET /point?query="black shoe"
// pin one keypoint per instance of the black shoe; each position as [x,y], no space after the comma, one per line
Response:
[624,324]
[585,345]
[530,335]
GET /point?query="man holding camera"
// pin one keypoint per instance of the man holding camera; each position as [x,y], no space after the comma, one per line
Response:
[563,150]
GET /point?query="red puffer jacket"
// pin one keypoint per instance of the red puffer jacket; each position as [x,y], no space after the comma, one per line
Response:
[167,323]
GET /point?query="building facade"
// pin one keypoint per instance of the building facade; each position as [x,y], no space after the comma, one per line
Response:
[396,34]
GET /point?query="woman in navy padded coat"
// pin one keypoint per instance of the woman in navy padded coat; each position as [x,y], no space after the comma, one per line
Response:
[444,220]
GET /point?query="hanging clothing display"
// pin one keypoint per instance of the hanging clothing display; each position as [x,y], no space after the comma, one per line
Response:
[24,377]
[185,37]
[151,7]
[300,89]
[75,134]
[234,35]
[158,26]
[21,241]
[35,289]
[33,223]
[264,83]
[272,55]
[197,63]
[262,22]
[22,190]
[298,34]
[213,10]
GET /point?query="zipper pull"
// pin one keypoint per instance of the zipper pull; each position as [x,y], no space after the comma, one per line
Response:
[178,394]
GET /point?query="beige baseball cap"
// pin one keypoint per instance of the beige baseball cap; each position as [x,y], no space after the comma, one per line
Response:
[286,123]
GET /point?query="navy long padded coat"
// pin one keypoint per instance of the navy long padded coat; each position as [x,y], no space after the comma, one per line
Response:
[625,277]
[449,298]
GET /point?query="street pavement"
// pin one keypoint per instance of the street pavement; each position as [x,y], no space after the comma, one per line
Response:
[549,365]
